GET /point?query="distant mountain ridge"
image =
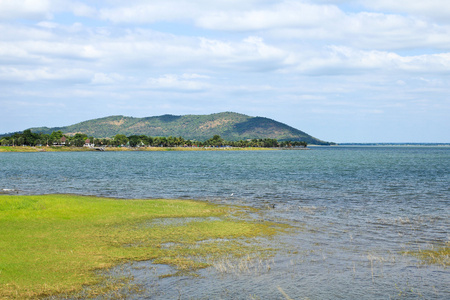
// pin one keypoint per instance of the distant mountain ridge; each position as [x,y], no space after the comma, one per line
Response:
[229,125]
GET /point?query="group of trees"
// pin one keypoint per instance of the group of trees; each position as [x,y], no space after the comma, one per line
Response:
[28,138]
[215,141]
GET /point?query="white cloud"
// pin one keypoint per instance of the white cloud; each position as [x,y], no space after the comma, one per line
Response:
[184,82]
[436,10]
[335,60]
[318,22]
[264,50]
[148,12]
[102,78]
[12,33]
[80,9]
[44,74]
[43,9]
[131,50]
[25,9]
[194,76]
[34,104]
[64,50]
[142,11]
[310,21]
[48,25]
[261,57]
[250,54]
[286,14]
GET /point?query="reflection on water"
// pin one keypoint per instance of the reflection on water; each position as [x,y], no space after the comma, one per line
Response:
[357,210]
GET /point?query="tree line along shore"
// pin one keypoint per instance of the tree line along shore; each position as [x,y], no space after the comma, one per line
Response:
[80,140]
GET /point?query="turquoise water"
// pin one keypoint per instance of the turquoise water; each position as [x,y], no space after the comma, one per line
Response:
[357,209]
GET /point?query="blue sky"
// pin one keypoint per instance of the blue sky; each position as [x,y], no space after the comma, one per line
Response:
[340,70]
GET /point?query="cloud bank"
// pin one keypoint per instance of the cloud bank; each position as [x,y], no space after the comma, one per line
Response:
[374,70]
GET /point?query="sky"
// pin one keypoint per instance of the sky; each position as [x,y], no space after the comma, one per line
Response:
[340,70]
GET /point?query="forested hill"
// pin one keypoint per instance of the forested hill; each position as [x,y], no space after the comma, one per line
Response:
[230,126]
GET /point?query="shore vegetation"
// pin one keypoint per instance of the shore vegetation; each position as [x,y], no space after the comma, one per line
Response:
[81,149]
[59,139]
[56,244]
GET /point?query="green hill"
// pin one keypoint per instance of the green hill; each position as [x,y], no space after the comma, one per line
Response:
[230,126]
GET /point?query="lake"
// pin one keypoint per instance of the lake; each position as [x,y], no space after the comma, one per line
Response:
[357,210]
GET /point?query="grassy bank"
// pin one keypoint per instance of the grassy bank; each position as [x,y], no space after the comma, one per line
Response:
[43,149]
[77,149]
[51,244]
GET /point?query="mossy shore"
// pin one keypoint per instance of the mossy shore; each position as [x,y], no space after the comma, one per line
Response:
[79,149]
[54,244]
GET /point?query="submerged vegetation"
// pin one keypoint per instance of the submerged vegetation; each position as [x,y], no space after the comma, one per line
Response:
[53,244]
[436,255]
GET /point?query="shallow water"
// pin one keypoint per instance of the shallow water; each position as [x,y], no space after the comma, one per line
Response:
[357,210]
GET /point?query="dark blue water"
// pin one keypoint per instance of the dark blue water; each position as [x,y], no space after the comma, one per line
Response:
[357,208]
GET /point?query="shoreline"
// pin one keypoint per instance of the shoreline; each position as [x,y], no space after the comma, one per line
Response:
[117,149]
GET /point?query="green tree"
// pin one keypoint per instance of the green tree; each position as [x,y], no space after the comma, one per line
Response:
[29,137]
[78,142]
[44,138]
[216,140]
[163,141]
[56,136]
[120,140]
[134,140]
[80,136]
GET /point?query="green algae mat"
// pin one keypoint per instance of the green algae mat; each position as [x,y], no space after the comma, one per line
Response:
[55,244]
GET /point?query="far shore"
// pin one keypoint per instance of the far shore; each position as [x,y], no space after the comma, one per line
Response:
[79,149]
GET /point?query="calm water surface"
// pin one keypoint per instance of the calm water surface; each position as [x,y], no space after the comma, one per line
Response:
[357,209]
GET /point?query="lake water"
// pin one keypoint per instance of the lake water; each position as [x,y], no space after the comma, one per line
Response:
[357,209]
